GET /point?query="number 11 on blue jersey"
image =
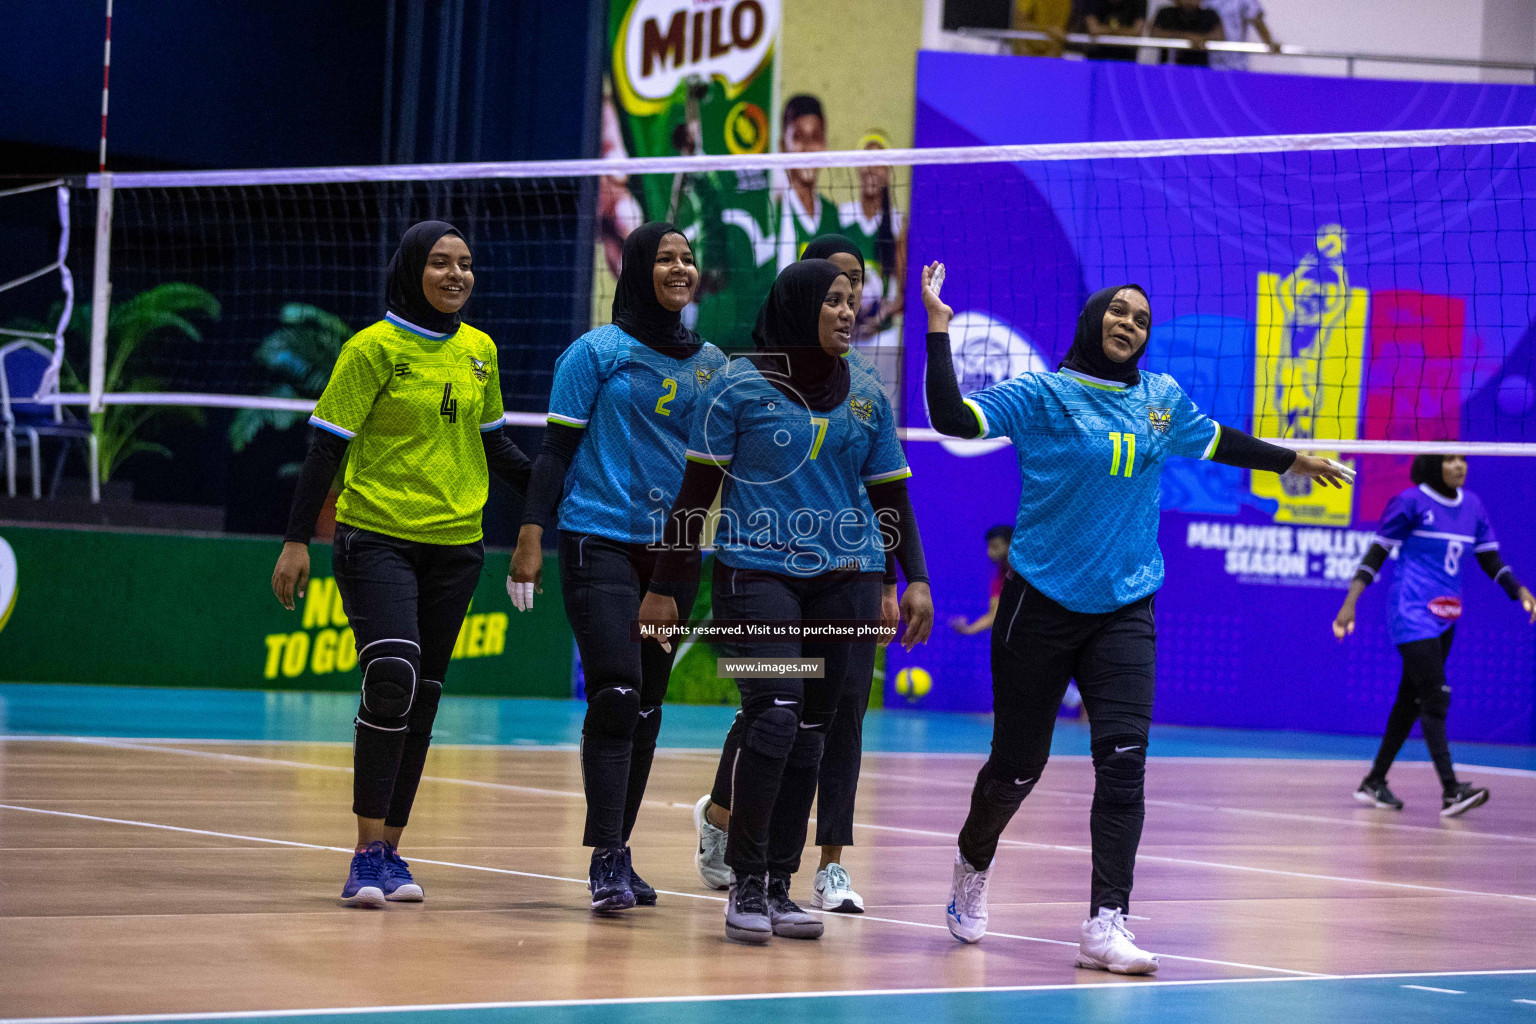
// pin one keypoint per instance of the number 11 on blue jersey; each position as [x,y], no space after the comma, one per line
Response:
[1130,453]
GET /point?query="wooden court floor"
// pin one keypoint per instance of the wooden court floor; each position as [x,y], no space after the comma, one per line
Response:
[158,877]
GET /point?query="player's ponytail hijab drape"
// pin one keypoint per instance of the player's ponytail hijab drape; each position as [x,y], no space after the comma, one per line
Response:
[636,310]
[404,296]
[1087,354]
[788,332]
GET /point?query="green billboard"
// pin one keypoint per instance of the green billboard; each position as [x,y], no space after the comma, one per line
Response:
[154,609]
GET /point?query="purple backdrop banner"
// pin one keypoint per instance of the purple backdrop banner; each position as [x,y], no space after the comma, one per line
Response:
[1383,294]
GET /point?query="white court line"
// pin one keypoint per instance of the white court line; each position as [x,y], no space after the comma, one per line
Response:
[737,997]
[1320,819]
[1528,1002]
[583,882]
[896,829]
[532,745]
[1442,991]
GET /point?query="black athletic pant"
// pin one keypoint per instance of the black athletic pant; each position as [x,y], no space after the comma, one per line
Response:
[1424,697]
[783,721]
[405,601]
[603,581]
[838,782]
[1037,648]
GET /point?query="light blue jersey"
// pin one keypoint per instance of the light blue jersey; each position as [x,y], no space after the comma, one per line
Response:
[1091,454]
[637,407]
[793,500]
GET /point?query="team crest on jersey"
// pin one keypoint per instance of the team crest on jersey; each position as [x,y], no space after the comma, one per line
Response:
[477,366]
[864,409]
[703,373]
[1161,419]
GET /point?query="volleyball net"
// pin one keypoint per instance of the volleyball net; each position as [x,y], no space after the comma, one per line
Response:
[1367,292]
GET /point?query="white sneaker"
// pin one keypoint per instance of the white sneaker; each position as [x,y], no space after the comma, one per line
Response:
[709,858]
[967,911]
[834,892]
[1107,946]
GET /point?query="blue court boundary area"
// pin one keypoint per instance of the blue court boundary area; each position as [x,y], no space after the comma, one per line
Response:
[1400,998]
[132,712]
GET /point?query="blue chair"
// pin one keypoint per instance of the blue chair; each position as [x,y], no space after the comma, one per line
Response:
[23,366]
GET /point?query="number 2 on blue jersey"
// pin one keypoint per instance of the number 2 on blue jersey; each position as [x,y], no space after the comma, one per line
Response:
[670,386]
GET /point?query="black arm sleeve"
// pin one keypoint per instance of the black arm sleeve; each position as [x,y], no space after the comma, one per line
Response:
[946,408]
[1370,565]
[547,482]
[679,562]
[1500,573]
[889,579]
[506,460]
[907,544]
[1236,448]
[326,451]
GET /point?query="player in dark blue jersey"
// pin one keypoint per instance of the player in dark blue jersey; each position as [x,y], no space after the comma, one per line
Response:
[791,433]
[1432,527]
[838,781]
[624,401]
[1083,568]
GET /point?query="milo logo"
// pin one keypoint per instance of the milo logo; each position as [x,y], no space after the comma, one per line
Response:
[663,43]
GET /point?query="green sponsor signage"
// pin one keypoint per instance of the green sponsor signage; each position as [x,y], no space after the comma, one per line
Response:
[147,609]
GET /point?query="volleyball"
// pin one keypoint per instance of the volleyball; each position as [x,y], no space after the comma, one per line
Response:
[913,684]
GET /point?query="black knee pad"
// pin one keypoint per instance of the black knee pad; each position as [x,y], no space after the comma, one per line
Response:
[1120,769]
[772,732]
[424,709]
[612,711]
[1437,704]
[390,674]
[810,740]
[647,728]
[1006,785]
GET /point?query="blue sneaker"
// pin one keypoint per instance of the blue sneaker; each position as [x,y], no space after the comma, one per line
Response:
[399,886]
[609,881]
[365,882]
[645,895]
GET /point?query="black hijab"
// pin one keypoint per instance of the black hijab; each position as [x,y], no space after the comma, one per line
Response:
[404,296]
[636,310]
[788,328]
[1430,469]
[1087,352]
[824,247]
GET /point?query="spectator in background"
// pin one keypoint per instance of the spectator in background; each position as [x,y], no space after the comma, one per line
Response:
[1048,16]
[1237,17]
[1115,18]
[998,539]
[1188,19]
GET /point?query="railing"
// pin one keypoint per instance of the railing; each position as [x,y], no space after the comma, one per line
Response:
[1081,39]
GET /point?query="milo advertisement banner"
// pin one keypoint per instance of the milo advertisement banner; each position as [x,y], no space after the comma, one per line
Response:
[738,77]
[148,609]
[688,77]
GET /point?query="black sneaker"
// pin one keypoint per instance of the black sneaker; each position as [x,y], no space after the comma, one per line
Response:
[746,911]
[1376,794]
[608,879]
[787,917]
[1462,799]
[645,896]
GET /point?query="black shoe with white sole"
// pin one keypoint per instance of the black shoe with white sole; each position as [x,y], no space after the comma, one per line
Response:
[1462,799]
[1376,794]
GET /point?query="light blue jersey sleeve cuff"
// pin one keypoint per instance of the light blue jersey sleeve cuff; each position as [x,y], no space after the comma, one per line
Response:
[331,428]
